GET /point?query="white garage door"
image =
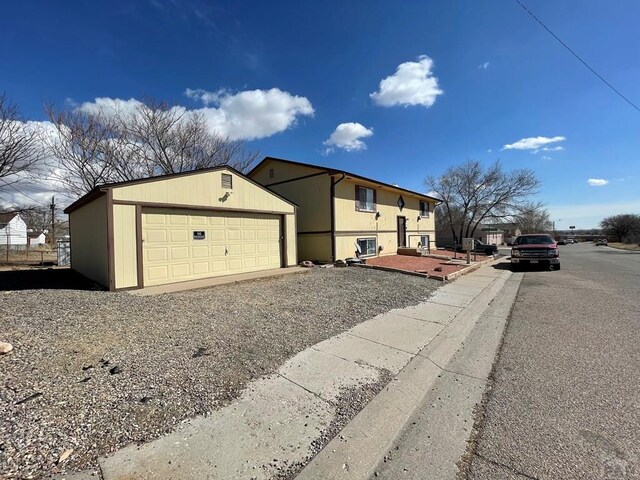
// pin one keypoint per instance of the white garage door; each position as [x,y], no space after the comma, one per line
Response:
[181,245]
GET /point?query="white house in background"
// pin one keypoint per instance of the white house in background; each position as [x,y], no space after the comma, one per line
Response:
[13,230]
[36,237]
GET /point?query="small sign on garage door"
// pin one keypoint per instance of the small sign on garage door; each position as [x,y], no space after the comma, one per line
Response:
[198,235]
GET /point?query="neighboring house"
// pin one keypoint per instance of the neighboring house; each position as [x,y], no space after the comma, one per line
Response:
[13,230]
[343,215]
[36,237]
[489,234]
[509,230]
[184,226]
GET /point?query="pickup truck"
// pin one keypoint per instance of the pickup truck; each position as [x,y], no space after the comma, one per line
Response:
[535,249]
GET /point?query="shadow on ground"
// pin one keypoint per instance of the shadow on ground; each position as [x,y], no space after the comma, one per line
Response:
[45,278]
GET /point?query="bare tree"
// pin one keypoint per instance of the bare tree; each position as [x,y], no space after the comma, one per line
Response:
[152,138]
[622,227]
[532,218]
[20,149]
[472,194]
[79,148]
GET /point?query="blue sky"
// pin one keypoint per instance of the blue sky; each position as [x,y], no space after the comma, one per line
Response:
[475,77]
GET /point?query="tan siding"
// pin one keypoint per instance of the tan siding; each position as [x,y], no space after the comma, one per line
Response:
[282,171]
[124,243]
[313,197]
[314,247]
[292,241]
[89,240]
[204,189]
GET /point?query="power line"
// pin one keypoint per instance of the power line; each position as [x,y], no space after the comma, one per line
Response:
[24,194]
[578,56]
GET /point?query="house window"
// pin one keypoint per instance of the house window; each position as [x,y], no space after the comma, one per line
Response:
[424,240]
[367,246]
[272,173]
[365,199]
[227,181]
[400,202]
[424,209]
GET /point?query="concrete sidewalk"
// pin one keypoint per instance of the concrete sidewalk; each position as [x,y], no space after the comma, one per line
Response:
[281,421]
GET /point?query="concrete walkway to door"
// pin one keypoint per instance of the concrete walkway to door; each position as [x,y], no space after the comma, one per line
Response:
[215,281]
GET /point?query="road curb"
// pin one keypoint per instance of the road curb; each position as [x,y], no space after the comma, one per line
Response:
[362,445]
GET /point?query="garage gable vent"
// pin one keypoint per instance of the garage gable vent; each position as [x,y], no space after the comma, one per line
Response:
[227,181]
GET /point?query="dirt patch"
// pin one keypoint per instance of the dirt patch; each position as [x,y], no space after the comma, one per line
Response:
[428,265]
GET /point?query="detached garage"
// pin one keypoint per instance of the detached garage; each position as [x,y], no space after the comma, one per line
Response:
[180,227]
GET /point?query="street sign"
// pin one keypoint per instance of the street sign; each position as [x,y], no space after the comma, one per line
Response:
[572,227]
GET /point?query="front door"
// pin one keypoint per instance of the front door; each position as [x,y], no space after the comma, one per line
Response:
[402,232]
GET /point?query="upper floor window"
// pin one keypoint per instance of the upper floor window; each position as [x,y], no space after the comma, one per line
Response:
[365,199]
[227,181]
[424,209]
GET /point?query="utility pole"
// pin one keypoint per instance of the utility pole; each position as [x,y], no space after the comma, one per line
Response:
[53,221]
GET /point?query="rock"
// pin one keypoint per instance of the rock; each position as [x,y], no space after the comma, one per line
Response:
[115,370]
[340,263]
[307,264]
[65,455]
[146,399]
[5,348]
[437,269]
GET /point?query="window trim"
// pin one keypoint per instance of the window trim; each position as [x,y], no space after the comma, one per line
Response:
[375,199]
[375,248]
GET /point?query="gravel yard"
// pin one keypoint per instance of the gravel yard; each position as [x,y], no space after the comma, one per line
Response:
[94,371]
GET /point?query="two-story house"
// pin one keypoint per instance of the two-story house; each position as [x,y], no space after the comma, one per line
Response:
[344,215]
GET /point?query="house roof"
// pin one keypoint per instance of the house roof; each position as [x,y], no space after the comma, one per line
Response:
[7,217]
[334,171]
[100,190]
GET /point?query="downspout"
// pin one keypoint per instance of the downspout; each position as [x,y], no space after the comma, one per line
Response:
[333,215]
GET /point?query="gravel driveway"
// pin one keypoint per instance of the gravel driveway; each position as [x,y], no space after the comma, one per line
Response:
[94,371]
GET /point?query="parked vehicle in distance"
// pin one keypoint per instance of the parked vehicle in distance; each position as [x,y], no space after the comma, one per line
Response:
[602,241]
[562,242]
[479,247]
[535,249]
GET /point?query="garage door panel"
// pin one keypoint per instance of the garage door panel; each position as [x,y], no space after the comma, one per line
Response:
[180,253]
[179,236]
[200,268]
[158,254]
[156,236]
[234,242]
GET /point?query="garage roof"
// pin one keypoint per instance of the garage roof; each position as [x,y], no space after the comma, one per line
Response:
[100,190]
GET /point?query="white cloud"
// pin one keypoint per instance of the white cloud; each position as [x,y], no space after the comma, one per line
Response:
[246,115]
[347,136]
[533,143]
[251,114]
[484,66]
[412,84]
[110,106]
[558,148]
[544,157]
[597,182]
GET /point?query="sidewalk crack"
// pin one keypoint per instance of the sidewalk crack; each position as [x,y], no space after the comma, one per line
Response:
[451,371]
[307,390]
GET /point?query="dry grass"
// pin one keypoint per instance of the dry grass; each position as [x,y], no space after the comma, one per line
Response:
[635,247]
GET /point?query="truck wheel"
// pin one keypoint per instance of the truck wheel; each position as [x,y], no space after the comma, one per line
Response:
[557,266]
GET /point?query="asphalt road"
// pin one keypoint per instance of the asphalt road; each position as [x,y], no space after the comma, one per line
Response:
[565,403]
